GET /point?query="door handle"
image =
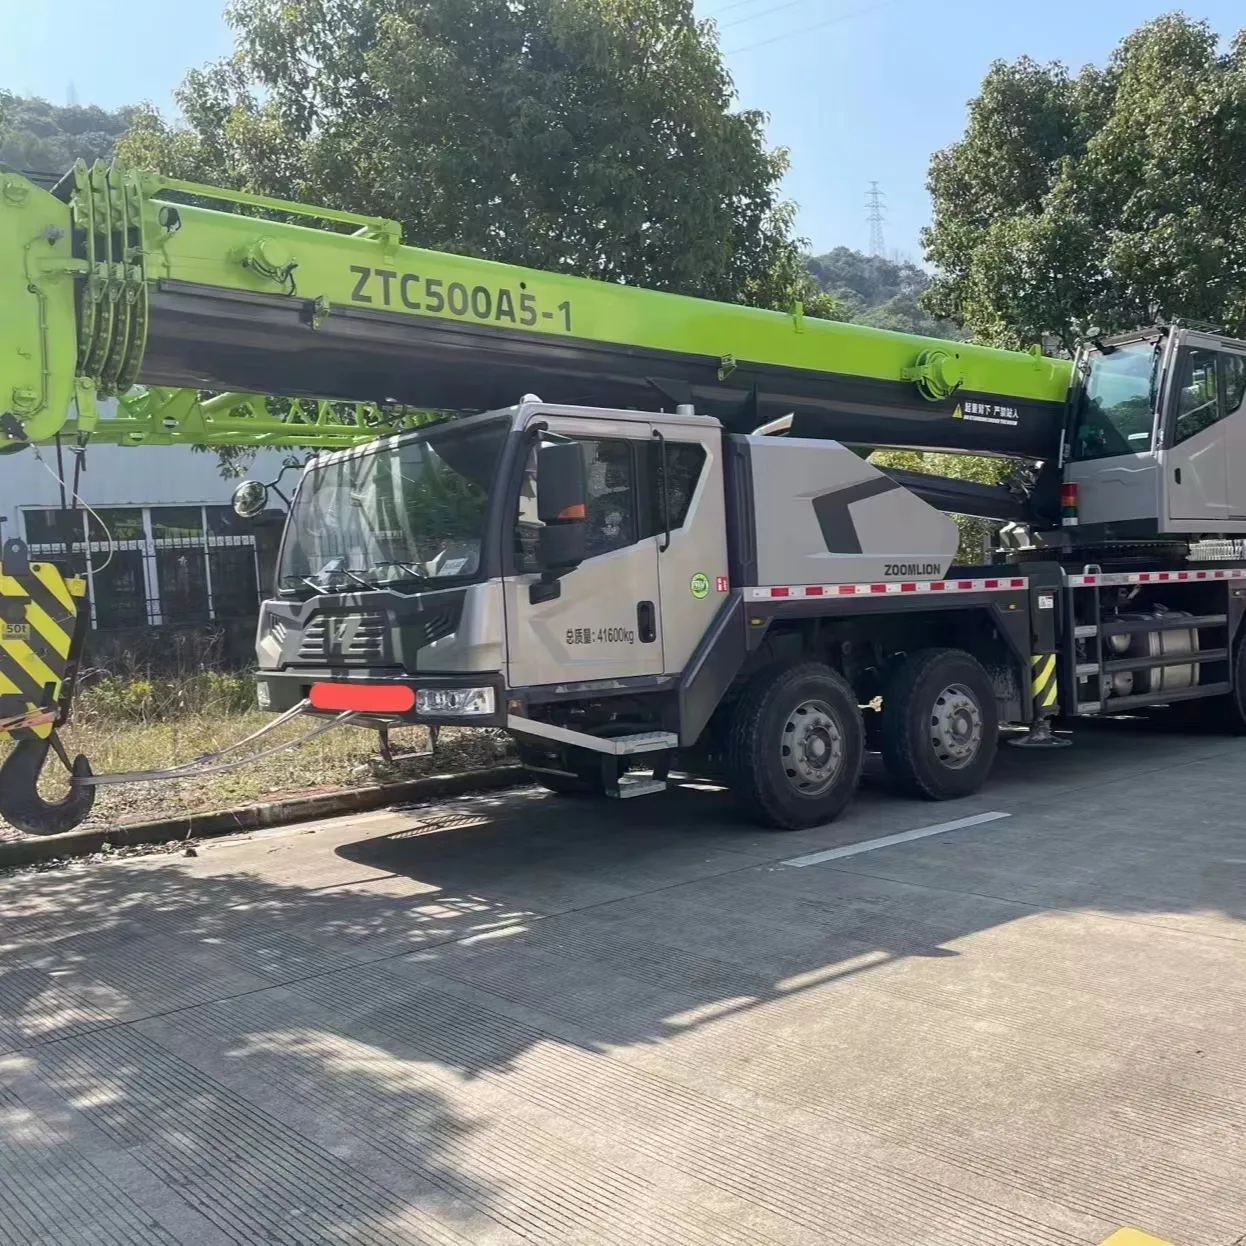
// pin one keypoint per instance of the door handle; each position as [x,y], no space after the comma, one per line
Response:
[1176,475]
[646,622]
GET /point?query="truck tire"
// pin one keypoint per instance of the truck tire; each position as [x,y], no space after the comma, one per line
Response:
[1225,714]
[1232,714]
[940,724]
[794,746]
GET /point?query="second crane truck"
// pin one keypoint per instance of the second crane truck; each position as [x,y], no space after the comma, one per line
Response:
[676,554]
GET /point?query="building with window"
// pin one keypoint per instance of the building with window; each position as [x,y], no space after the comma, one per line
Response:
[171,551]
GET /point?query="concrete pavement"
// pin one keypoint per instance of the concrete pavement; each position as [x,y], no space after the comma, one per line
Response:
[516,1018]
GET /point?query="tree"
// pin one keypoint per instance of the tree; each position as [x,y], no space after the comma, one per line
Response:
[879,292]
[595,137]
[1101,201]
[39,137]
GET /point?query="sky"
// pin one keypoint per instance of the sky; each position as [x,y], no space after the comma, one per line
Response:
[857,90]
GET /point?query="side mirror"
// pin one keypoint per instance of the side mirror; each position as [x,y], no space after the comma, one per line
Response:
[561,496]
[250,499]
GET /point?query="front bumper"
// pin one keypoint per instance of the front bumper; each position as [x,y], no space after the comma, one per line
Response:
[282,690]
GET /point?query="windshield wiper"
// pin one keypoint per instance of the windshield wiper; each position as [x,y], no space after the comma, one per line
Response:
[408,567]
[368,584]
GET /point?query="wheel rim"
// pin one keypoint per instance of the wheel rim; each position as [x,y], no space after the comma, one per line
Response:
[956,727]
[812,748]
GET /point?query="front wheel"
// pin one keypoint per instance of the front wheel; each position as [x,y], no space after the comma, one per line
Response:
[795,746]
[940,724]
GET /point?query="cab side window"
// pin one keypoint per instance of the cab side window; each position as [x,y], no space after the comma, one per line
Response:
[1198,400]
[610,508]
[684,462]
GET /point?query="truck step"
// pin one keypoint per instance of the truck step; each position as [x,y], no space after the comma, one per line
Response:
[645,742]
[619,745]
[637,785]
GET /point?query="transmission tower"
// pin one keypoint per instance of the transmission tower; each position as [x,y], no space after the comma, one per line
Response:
[875,215]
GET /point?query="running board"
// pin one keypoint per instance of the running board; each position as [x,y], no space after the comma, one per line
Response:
[636,785]
[617,746]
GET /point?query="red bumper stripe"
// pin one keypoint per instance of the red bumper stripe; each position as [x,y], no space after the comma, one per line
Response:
[366,698]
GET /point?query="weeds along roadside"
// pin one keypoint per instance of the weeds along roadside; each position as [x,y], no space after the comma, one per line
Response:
[144,720]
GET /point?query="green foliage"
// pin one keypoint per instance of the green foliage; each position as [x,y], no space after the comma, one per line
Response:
[39,137]
[1101,201]
[595,137]
[115,699]
[869,289]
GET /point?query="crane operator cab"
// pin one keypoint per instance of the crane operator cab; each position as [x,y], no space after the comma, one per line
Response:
[1156,443]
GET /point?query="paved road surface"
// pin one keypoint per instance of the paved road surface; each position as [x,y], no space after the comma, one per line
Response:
[519,1019]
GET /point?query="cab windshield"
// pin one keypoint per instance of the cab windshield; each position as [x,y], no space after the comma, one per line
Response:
[1116,407]
[409,512]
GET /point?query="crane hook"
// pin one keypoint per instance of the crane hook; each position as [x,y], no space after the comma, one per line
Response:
[20,801]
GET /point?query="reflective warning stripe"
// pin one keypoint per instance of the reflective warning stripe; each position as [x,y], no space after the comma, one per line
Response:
[32,588]
[36,637]
[34,666]
[49,629]
[1107,578]
[1043,683]
[780,592]
[22,679]
[55,583]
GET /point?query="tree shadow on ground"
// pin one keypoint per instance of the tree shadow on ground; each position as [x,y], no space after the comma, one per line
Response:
[399,1036]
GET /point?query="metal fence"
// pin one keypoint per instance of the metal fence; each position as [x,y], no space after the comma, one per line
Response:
[153,566]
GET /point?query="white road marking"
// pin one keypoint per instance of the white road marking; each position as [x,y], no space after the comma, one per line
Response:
[852,850]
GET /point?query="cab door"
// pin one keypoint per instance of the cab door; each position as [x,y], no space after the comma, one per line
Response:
[1233,369]
[1196,462]
[605,624]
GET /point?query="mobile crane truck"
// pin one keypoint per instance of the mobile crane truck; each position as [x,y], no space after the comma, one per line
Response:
[677,554]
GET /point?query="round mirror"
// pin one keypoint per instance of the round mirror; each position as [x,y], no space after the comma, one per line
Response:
[249,499]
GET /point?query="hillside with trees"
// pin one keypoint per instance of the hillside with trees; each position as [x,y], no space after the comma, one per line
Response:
[38,137]
[869,289]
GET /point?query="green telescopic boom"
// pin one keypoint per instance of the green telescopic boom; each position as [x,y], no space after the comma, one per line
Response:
[112,280]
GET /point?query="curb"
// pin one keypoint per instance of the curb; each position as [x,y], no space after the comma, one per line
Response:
[36,848]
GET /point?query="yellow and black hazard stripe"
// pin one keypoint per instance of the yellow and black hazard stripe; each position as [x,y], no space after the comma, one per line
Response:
[1043,684]
[39,615]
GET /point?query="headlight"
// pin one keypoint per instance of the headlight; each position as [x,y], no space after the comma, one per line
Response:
[464,701]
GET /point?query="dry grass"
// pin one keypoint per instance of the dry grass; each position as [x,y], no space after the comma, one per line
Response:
[343,757]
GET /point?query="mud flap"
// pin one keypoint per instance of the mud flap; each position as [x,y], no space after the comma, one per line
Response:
[20,802]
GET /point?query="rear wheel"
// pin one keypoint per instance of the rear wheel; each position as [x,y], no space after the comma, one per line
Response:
[940,724]
[795,746]
[1225,713]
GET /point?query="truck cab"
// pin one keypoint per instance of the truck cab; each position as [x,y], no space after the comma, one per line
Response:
[420,556]
[1157,437]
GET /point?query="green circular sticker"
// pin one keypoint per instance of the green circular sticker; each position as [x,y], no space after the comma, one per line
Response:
[700,585]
